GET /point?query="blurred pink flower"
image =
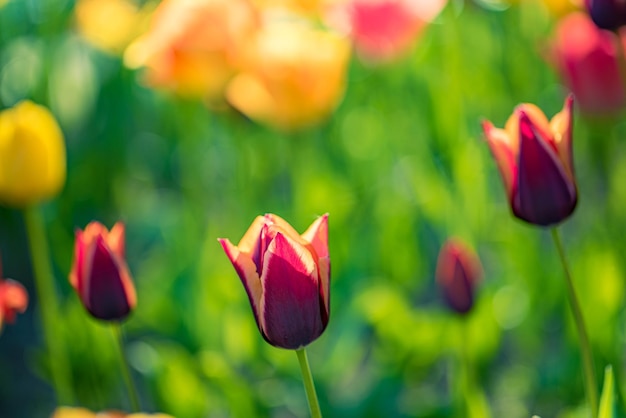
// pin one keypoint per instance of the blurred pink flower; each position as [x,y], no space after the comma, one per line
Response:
[13,299]
[382,30]
[588,59]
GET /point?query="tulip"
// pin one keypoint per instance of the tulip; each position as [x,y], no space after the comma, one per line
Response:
[534,157]
[588,60]
[458,271]
[13,300]
[607,14]
[32,155]
[286,277]
[69,412]
[110,25]
[99,273]
[192,47]
[383,30]
[294,75]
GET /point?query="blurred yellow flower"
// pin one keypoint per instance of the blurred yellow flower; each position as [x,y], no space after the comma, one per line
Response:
[32,155]
[298,6]
[69,412]
[110,25]
[294,75]
[555,7]
[192,46]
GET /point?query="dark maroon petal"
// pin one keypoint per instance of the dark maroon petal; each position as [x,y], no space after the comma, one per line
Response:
[458,271]
[106,296]
[291,299]
[544,194]
[607,14]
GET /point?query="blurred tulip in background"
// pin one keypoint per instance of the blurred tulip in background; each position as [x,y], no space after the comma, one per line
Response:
[99,273]
[287,278]
[110,25]
[192,47]
[383,30]
[588,60]
[294,74]
[458,272]
[607,14]
[535,160]
[32,155]
[13,300]
[69,412]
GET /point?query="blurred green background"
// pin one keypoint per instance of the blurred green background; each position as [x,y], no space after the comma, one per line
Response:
[400,166]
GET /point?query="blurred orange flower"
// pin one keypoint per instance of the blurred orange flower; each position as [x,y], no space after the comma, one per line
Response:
[69,412]
[294,75]
[382,30]
[588,59]
[192,46]
[110,25]
[13,299]
[298,6]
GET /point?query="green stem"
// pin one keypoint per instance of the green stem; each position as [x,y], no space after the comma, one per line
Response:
[309,386]
[118,335]
[585,347]
[48,305]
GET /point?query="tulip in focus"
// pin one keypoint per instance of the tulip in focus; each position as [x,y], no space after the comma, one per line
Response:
[13,300]
[383,30]
[69,412]
[287,278]
[110,25]
[588,59]
[193,46]
[32,155]
[458,272]
[607,14]
[294,75]
[99,273]
[535,160]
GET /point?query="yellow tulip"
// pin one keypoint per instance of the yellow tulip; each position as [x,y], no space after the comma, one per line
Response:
[32,155]
[110,25]
[69,412]
[294,75]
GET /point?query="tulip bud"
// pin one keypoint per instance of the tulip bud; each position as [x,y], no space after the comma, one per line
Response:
[458,272]
[607,14]
[287,278]
[32,155]
[535,160]
[99,273]
[13,299]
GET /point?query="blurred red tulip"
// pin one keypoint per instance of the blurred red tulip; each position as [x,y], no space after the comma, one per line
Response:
[192,47]
[287,278]
[99,273]
[458,272]
[13,300]
[607,14]
[535,159]
[588,59]
[382,30]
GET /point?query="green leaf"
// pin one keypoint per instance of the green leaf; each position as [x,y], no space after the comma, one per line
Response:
[607,399]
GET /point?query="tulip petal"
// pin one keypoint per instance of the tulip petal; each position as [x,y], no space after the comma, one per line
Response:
[108,295]
[247,272]
[77,265]
[544,194]
[317,235]
[500,144]
[13,299]
[286,227]
[290,304]
[116,240]
[561,127]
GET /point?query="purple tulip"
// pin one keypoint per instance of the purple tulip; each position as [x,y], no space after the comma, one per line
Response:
[458,272]
[287,278]
[535,160]
[607,14]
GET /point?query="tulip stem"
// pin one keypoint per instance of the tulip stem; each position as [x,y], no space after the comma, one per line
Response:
[309,386]
[48,304]
[118,335]
[585,347]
